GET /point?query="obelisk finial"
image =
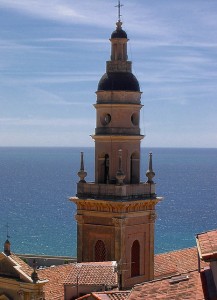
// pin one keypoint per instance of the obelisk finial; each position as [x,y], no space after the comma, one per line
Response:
[150,173]
[120,174]
[7,244]
[34,274]
[82,174]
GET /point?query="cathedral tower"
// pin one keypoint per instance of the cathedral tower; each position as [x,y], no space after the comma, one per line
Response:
[116,213]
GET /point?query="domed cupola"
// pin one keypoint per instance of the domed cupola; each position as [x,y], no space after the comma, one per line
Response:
[119,33]
[118,81]
[118,76]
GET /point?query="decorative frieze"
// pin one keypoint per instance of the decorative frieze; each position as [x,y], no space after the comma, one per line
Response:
[118,222]
[119,66]
[113,206]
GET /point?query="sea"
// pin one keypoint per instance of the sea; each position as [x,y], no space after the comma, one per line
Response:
[36,183]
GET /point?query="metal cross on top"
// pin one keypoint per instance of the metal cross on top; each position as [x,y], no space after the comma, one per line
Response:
[119,9]
[7,226]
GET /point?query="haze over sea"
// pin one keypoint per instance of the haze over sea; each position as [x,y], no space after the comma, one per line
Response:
[35,184]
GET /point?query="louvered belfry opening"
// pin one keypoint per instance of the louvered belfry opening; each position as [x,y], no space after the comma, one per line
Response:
[100,251]
[135,259]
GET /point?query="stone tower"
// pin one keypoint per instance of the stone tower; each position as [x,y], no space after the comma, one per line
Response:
[116,213]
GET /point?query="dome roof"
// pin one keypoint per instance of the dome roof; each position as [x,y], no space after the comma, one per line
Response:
[119,34]
[118,81]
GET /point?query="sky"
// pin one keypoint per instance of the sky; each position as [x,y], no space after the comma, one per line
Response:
[53,54]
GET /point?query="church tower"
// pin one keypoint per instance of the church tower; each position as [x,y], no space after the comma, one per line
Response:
[116,213]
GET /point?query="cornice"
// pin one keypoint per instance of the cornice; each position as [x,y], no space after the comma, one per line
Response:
[123,138]
[115,206]
[116,105]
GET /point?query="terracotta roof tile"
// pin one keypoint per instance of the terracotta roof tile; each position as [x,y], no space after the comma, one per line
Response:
[207,244]
[113,295]
[95,273]
[166,264]
[176,262]
[54,288]
[24,266]
[88,273]
[188,286]
[118,295]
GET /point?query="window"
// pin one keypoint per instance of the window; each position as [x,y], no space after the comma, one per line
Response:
[135,259]
[134,168]
[135,119]
[100,251]
[105,119]
[106,173]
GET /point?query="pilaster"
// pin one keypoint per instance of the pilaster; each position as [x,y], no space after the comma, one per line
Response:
[80,222]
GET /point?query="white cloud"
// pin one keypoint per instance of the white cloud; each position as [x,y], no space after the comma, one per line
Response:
[51,9]
[65,11]
[50,78]
[72,40]
[42,122]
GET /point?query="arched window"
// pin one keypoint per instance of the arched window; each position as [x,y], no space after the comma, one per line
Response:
[106,172]
[100,251]
[134,168]
[135,259]
[103,168]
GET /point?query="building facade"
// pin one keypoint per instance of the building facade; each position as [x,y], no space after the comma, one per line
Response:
[116,213]
[18,281]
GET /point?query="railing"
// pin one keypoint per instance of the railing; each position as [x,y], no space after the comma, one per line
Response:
[114,191]
[117,130]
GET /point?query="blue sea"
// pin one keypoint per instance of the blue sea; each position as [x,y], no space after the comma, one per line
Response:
[36,183]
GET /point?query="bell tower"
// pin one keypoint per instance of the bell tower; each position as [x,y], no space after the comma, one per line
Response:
[116,213]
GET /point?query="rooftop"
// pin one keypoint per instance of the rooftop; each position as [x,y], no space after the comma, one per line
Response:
[192,285]
[93,273]
[22,264]
[176,272]
[167,265]
[207,245]
[113,295]
[176,262]
[54,288]
[83,273]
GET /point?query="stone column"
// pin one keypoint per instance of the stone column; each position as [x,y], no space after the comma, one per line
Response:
[80,222]
[152,218]
[120,247]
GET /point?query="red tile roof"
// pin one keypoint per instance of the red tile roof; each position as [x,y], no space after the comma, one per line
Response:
[23,266]
[176,262]
[113,295]
[166,264]
[94,273]
[87,274]
[207,245]
[54,288]
[189,286]
[116,295]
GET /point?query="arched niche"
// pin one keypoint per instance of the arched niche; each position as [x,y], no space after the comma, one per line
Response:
[100,251]
[103,165]
[135,259]
[134,168]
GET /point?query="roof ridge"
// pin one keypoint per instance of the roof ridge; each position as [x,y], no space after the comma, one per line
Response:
[177,250]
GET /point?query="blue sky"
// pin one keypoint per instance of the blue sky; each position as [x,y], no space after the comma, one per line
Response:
[53,53]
